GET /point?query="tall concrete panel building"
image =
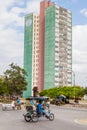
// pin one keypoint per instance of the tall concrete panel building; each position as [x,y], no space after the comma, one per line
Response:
[58,47]
[43,5]
[48,48]
[31,51]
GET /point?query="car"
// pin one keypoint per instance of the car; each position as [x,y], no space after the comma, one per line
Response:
[59,100]
[8,106]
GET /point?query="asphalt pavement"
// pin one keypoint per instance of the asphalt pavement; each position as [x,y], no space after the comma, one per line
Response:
[81,106]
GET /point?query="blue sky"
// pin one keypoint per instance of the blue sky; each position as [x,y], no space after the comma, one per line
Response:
[12,33]
[75,6]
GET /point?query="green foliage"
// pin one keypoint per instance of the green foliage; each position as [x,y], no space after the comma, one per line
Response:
[14,79]
[44,92]
[84,91]
[3,89]
[67,91]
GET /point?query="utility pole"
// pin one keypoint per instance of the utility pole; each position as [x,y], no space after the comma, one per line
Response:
[74,84]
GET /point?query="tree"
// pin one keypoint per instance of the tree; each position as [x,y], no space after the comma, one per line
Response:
[3,89]
[84,91]
[66,91]
[14,79]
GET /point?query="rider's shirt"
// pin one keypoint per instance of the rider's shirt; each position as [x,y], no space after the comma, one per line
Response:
[39,107]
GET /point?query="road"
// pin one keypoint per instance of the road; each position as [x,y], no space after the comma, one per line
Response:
[67,119]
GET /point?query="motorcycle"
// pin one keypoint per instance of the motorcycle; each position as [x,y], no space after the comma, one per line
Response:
[49,115]
[34,115]
[31,116]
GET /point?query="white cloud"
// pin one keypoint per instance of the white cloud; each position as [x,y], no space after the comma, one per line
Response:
[11,47]
[11,12]
[33,6]
[79,46]
[84,12]
[11,39]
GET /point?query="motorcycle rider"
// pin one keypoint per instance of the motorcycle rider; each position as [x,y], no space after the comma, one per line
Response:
[40,109]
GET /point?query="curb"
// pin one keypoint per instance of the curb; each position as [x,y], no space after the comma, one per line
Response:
[70,108]
[73,108]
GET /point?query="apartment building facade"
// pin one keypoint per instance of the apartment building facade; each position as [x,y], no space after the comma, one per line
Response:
[58,47]
[48,48]
[31,51]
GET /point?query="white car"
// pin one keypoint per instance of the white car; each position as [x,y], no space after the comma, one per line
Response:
[8,106]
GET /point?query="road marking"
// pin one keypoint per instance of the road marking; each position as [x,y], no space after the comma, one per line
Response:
[81,121]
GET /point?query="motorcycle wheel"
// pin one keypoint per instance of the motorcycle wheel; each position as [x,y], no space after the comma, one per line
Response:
[51,117]
[35,117]
[27,118]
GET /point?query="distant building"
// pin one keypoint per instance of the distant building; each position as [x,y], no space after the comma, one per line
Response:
[58,47]
[31,51]
[48,48]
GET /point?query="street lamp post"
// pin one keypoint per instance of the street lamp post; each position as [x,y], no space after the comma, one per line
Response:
[73,78]
[74,83]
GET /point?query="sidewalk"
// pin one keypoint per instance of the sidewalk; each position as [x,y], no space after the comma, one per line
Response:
[75,106]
